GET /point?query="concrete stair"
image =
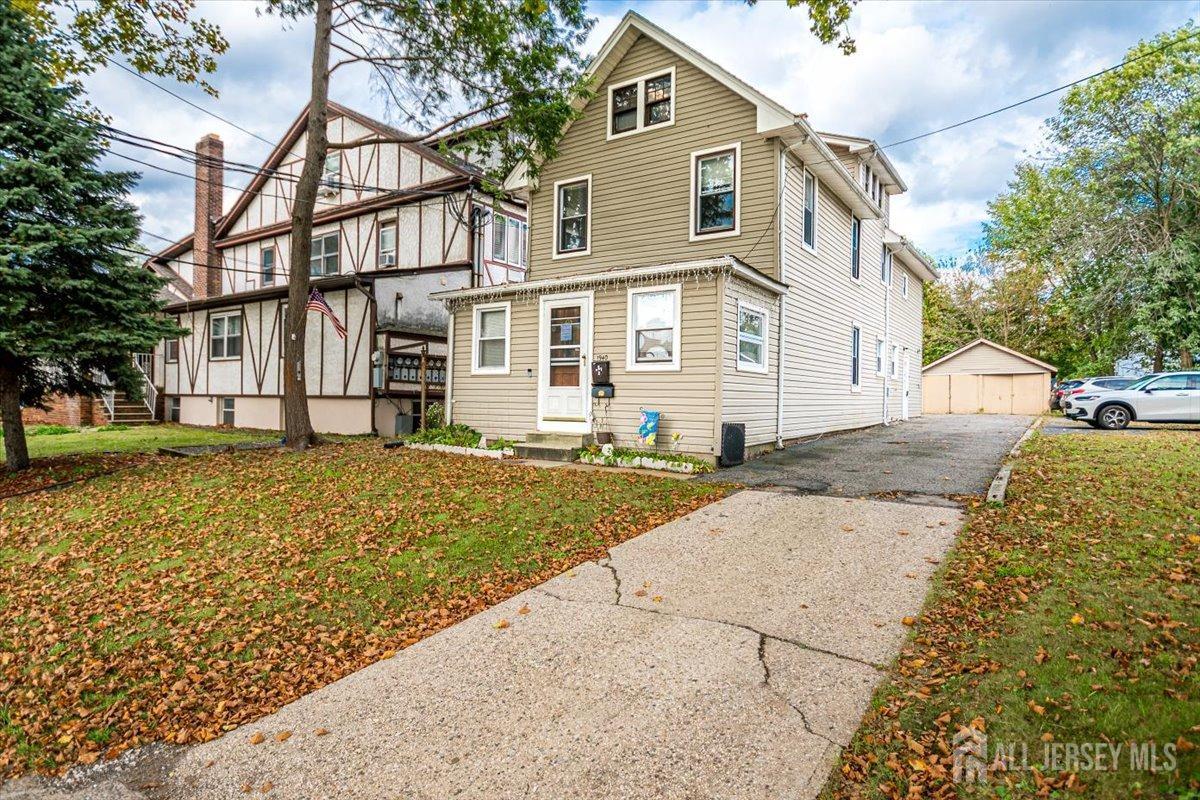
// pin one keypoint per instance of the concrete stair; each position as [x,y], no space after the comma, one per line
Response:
[552,446]
[130,412]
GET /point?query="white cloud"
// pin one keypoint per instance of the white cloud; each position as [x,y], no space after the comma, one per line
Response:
[919,66]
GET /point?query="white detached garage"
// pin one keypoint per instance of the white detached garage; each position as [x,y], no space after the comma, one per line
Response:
[986,378]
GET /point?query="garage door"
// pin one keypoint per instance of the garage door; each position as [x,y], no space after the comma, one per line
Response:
[965,393]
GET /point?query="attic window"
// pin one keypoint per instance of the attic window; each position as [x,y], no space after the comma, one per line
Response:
[642,103]
[331,168]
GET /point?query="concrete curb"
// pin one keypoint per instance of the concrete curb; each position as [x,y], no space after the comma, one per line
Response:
[480,452]
[999,488]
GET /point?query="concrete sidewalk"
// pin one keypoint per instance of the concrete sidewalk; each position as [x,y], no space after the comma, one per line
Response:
[728,654]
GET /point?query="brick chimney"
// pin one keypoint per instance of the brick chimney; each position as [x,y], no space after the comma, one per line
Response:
[210,175]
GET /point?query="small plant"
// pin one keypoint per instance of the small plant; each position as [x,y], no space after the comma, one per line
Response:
[644,459]
[435,415]
[115,427]
[50,430]
[455,435]
[502,444]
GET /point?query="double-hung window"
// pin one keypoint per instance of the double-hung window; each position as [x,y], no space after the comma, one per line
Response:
[751,338]
[904,284]
[879,356]
[810,210]
[489,339]
[323,257]
[855,247]
[509,240]
[387,244]
[642,103]
[173,409]
[855,357]
[572,212]
[653,326]
[266,262]
[894,366]
[171,350]
[885,266]
[715,201]
[227,406]
[225,335]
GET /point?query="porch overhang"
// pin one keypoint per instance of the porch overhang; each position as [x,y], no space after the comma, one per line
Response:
[700,269]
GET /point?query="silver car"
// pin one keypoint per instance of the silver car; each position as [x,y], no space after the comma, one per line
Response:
[1162,397]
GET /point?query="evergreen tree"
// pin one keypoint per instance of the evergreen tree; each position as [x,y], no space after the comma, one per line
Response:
[72,302]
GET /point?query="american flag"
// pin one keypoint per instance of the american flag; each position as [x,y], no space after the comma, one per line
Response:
[317,302]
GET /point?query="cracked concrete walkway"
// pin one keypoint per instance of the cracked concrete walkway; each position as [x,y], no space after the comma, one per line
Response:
[728,654]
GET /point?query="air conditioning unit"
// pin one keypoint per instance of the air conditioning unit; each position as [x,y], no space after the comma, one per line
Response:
[387,260]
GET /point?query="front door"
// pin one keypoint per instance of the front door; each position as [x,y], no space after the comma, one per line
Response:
[905,388]
[564,339]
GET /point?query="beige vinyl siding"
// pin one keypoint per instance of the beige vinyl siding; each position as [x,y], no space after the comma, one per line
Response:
[750,397]
[983,358]
[641,183]
[823,303]
[506,405]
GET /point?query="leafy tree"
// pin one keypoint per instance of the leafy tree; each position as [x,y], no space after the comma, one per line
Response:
[158,37]
[72,303]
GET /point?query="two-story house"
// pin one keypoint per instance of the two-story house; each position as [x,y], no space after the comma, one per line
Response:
[393,223]
[728,262]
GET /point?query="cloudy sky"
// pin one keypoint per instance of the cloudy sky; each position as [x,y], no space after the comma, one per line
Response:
[919,66]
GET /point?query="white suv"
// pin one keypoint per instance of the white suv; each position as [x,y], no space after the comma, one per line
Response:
[1164,397]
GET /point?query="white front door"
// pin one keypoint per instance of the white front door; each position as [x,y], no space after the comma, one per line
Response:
[905,388]
[564,339]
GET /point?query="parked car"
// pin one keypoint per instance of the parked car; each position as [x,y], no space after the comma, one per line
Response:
[1162,397]
[1061,389]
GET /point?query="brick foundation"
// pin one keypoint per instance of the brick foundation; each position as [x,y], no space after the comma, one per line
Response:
[76,412]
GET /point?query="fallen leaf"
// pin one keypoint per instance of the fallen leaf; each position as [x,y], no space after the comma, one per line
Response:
[501,623]
[321,731]
[909,621]
[283,736]
[258,738]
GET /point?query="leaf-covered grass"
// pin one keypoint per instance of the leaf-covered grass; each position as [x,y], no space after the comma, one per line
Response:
[1069,616]
[176,600]
[132,439]
[62,454]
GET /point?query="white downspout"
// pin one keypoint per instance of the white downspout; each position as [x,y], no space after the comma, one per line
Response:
[449,404]
[887,332]
[779,363]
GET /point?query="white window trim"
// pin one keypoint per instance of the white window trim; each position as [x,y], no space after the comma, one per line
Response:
[631,362]
[224,315]
[880,357]
[475,314]
[379,251]
[741,366]
[903,284]
[324,255]
[641,103]
[221,410]
[894,364]
[816,215]
[885,267]
[587,250]
[693,236]
[854,218]
[856,388]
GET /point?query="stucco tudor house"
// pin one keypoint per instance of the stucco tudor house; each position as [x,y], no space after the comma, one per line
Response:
[394,223]
[722,260]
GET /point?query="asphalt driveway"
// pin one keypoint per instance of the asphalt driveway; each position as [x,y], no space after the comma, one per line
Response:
[928,457]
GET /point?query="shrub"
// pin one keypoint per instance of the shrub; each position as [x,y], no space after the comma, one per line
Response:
[435,415]
[456,435]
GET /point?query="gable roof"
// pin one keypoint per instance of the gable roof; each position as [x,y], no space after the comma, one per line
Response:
[297,129]
[990,343]
[773,119]
[874,155]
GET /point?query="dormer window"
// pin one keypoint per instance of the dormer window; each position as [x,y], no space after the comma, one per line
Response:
[873,185]
[640,104]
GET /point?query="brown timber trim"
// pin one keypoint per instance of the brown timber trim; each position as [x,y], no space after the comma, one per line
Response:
[415,194]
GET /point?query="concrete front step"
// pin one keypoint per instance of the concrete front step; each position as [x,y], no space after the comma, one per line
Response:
[547,452]
[543,439]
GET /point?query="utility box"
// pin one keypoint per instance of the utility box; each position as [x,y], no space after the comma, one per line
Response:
[405,424]
[603,391]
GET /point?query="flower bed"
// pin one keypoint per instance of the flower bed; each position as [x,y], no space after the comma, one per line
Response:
[484,452]
[609,456]
[461,440]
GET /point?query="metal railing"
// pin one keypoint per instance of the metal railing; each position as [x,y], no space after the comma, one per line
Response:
[108,396]
[145,365]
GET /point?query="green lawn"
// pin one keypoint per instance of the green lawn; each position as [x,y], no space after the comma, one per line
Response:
[180,598]
[137,438]
[1069,617]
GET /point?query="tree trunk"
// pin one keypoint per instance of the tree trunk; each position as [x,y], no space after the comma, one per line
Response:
[16,453]
[1158,358]
[297,425]
[1186,360]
